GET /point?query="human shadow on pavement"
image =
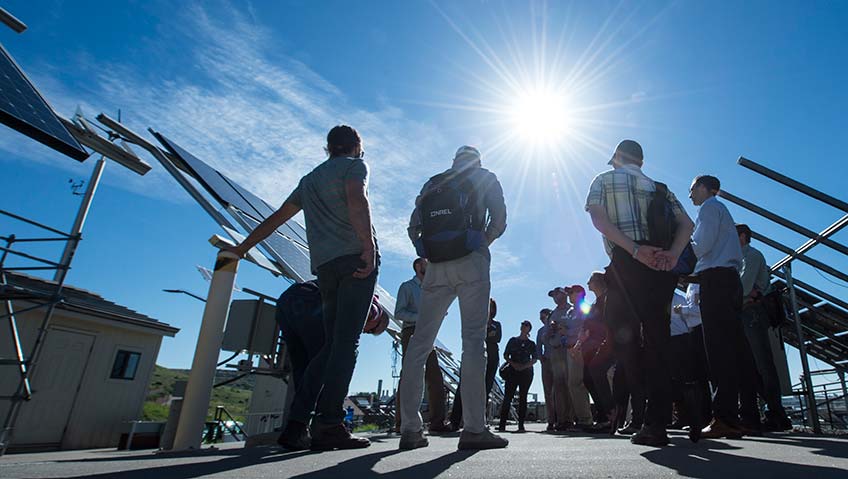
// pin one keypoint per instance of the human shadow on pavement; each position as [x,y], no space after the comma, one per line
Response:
[712,463]
[230,461]
[363,466]
[834,447]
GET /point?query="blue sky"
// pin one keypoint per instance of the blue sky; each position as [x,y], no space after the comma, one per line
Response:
[252,88]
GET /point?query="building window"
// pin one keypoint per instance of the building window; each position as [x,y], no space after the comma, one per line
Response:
[126,365]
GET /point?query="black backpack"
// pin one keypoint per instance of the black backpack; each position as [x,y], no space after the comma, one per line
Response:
[449,229]
[662,226]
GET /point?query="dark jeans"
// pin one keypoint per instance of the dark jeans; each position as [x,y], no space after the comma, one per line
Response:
[304,340]
[520,380]
[346,301]
[433,379]
[755,324]
[640,297]
[491,370]
[721,303]
[689,371]
[596,370]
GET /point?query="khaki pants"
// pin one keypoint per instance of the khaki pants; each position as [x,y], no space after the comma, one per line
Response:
[466,278]
[436,393]
[562,410]
[577,389]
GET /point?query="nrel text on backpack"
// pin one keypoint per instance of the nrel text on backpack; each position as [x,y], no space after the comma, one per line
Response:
[448,227]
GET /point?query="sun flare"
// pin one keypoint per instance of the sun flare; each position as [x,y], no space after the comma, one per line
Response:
[540,117]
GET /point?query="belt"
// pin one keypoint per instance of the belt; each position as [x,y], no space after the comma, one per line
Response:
[719,269]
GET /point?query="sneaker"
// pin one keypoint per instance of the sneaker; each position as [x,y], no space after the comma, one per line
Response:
[629,429]
[549,428]
[502,428]
[718,429]
[328,438]
[482,440]
[295,437]
[521,428]
[413,440]
[650,436]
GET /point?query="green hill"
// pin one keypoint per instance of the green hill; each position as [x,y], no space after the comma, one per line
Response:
[235,396]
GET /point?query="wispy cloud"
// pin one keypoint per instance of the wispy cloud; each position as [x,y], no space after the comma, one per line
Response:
[257,115]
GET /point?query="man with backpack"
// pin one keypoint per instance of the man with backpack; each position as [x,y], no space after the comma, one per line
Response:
[639,278]
[716,244]
[458,214]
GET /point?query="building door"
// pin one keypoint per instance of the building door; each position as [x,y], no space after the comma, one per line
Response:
[57,378]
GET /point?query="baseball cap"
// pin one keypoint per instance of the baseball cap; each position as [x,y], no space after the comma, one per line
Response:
[467,153]
[630,150]
[378,319]
[556,290]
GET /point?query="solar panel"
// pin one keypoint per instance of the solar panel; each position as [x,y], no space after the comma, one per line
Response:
[212,181]
[25,110]
[294,257]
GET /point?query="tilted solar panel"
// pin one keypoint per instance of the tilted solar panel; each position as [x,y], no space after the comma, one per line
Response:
[211,180]
[25,110]
[294,257]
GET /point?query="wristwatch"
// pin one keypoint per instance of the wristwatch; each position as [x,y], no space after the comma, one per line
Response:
[635,249]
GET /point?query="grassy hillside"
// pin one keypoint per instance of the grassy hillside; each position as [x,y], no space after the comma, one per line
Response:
[235,396]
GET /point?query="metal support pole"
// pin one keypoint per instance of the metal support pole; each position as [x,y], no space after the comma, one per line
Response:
[79,222]
[844,389]
[808,380]
[826,233]
[783,222]
[202,375]
[795,185]
[800,256]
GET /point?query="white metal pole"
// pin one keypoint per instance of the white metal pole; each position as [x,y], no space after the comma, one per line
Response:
[200,379]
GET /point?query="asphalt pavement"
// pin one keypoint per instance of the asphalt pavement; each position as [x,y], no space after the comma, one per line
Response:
[534,454]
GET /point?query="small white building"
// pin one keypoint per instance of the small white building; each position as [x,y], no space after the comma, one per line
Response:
[93,373]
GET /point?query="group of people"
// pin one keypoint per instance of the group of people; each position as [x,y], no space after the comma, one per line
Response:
[459,213]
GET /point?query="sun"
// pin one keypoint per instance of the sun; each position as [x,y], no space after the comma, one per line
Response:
[540,117]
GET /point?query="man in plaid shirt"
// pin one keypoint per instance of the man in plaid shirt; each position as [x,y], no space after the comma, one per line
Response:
[640,283]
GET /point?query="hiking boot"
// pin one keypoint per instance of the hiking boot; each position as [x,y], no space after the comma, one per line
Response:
[328,438]
[481,440]
[412,440]
[295,437]
[718,429]
[650,436]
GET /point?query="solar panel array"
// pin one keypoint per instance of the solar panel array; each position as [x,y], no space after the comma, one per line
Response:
[825,328]
[25,110]
[287,247]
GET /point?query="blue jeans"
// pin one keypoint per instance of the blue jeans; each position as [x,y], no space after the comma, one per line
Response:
[755,324]
[346,301]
